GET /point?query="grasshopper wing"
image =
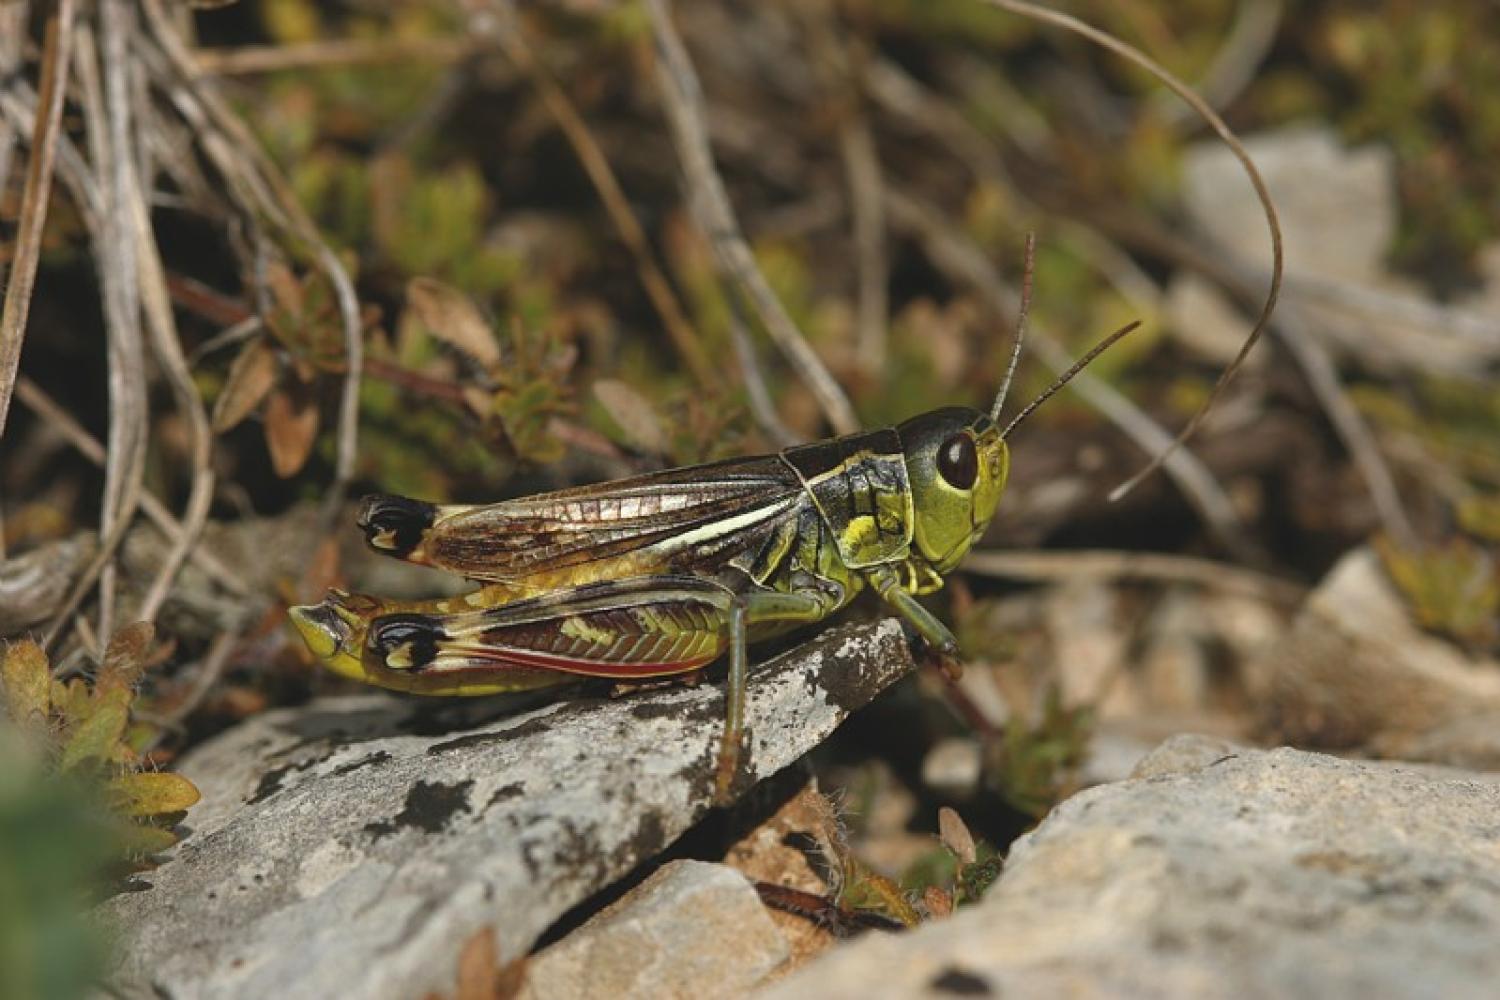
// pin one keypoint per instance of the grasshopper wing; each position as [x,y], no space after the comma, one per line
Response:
[645,627]
[658,523]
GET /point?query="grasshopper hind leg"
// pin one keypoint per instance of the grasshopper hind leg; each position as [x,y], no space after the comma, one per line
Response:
[746,609]
[732,745]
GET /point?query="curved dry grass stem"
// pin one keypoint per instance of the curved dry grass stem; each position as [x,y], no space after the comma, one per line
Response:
[251,175]
[1039,566]
[1182,90]
[56,56]
[103,94]
[44,406]
[166,346]
[627,226]
[682,99]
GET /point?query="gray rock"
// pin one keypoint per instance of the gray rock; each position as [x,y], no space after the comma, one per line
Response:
[692,929]
[1265,874]
[1337,206]
[351,847]
[1355,671]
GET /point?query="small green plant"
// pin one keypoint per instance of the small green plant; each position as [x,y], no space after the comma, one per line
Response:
[83,732]
[1032,767]
[1452,589]
[54,857]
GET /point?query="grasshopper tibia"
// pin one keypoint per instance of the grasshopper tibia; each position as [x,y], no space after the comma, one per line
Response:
[394,524]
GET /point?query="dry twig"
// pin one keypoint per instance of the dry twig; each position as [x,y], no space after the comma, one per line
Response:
[58,419]
[56,57]
[710,206]
[596,165]
[842,68]
[1101,563]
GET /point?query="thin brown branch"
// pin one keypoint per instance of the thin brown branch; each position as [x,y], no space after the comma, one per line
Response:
[59,420]
[1308,350]
[682,99]
[841,67]
[106,116]
[119,23]
[56,57]
[12,31]
[233,148]
[602,176]
[1111,564]
[251,59]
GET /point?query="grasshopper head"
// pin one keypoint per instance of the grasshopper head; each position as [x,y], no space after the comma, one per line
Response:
[335,633]
[957,463]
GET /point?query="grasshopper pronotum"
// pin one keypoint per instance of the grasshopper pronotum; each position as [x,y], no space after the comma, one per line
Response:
[659,575]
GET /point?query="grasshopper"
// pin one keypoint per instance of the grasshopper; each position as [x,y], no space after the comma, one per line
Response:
[658,575]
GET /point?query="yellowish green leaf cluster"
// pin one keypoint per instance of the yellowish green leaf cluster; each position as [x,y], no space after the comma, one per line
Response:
[1452,588]
[84,731]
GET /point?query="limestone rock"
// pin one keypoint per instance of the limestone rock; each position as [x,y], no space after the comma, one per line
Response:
[1337,206]
[351,846]
[692,929]
[1354,671]
[1262,874]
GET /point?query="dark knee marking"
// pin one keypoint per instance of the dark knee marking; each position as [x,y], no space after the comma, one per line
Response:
[394,524]
[406,642]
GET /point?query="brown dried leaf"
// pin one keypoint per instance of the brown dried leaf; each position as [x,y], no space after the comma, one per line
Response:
[634,414]
[125,656]
[452,317]
[291,428]
[286,290]
[939,901]
[250,378]
[956,836]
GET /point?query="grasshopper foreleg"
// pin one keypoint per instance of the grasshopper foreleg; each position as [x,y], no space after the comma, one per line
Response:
[887,584]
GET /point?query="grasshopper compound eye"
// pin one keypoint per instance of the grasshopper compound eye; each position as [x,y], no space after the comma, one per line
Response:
[958,462]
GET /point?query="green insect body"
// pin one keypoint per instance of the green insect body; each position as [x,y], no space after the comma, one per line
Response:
[659,575]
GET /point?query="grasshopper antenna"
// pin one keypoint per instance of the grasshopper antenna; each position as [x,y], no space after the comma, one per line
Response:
[1127,51]
[1067,376]
[1027,271]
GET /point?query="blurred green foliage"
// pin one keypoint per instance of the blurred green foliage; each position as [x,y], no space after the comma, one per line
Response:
[55,853]
[76,807]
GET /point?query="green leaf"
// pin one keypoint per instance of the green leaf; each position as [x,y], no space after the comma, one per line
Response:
[1480,515]
[152,793]
[98,734]
[139,839]
[1451,588]
[28,681]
